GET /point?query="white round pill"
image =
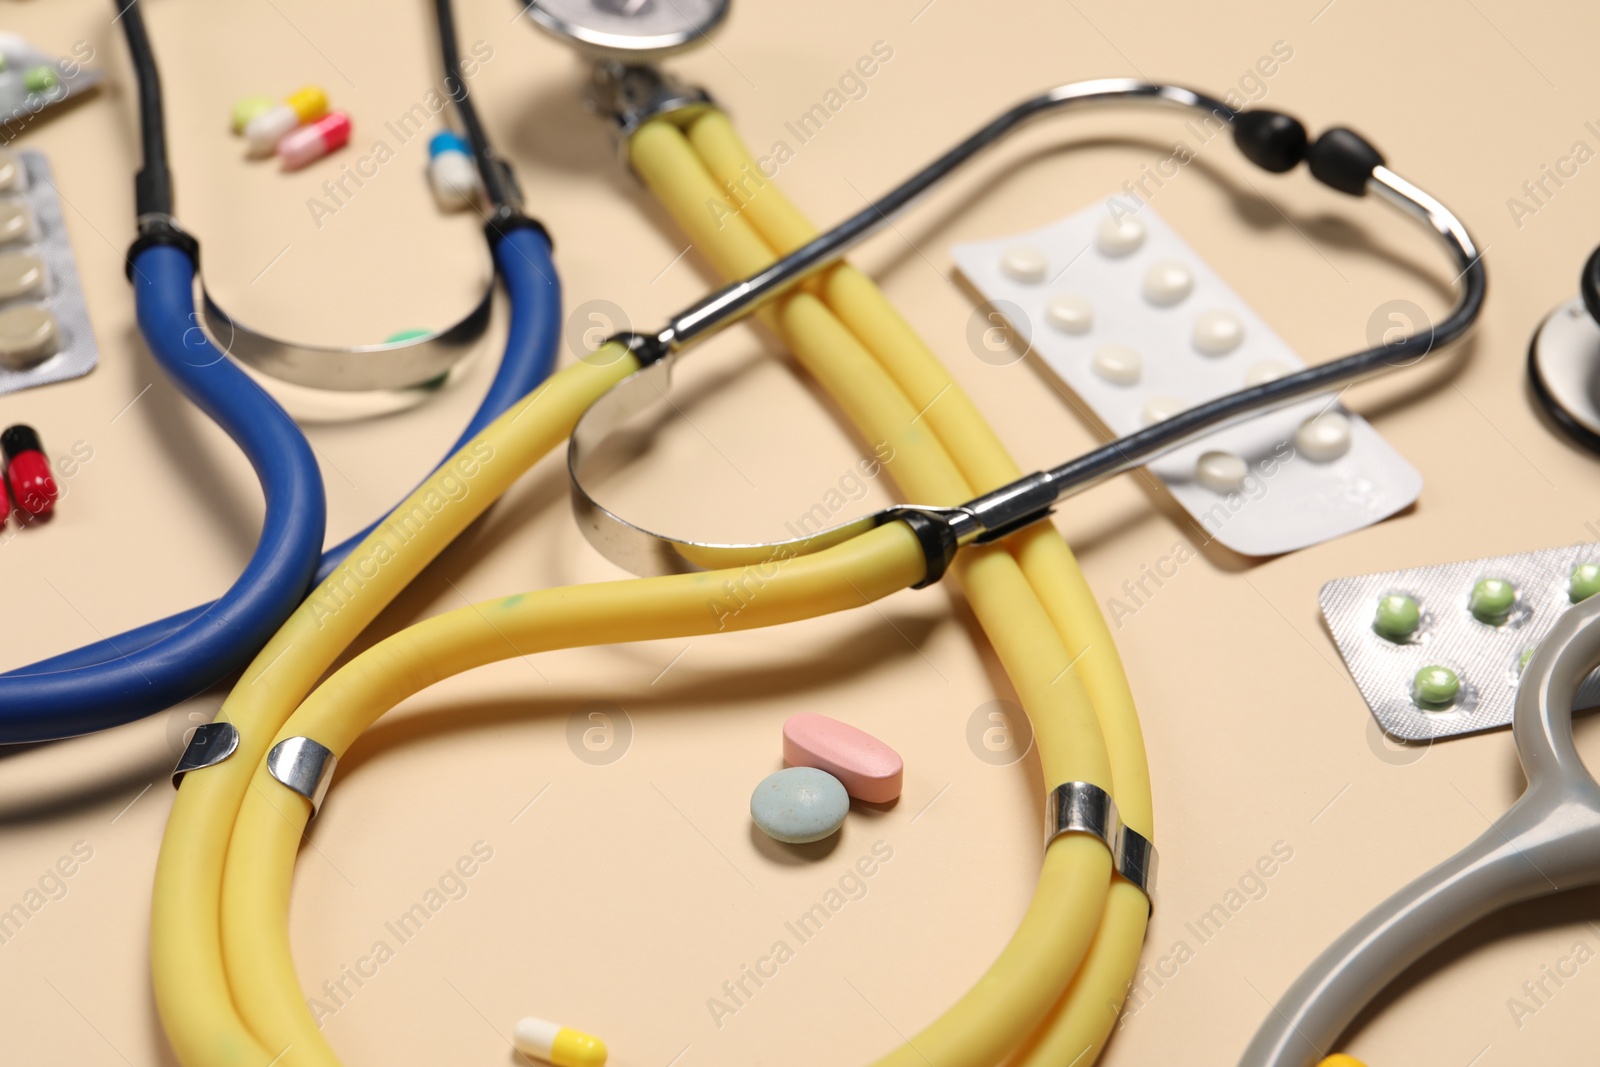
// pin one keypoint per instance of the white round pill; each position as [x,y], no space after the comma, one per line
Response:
[1323,438]
[1221,472]
[1217,333]
[1069,313]
[1024,263]
[1162,408]
[1167,283]
[1268,370]
[1118,237]
[1118,364]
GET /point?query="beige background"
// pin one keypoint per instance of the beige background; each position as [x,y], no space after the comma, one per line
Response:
[624,897]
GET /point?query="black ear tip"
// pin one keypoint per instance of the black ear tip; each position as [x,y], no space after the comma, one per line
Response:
[1271,140]
[1343,160]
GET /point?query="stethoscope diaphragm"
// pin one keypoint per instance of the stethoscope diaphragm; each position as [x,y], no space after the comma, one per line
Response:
[1564,362]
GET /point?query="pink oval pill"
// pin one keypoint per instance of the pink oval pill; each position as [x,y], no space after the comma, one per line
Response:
[869,769]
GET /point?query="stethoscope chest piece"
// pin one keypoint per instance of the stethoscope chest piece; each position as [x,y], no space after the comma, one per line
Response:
[628,31]
[1564,361]
[1564,371]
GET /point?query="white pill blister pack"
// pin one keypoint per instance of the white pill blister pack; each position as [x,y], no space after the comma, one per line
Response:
[1141,328]
[44,320]
[1469,625]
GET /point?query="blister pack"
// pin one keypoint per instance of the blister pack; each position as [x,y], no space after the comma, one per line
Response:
[1140,328]
[32,82]
[44,322]
[1437,651]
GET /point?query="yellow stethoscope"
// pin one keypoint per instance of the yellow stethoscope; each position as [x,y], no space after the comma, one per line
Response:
[224,974]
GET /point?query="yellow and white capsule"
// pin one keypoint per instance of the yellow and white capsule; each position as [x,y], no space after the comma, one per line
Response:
[557,1044]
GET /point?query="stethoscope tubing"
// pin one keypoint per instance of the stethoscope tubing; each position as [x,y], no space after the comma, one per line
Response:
[139,682]
[523,261]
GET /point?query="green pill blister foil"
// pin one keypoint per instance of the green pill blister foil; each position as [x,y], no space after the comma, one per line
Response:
[33,81]
[1473,623]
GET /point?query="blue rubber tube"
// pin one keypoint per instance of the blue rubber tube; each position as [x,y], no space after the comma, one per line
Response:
[523,261]
[139,682]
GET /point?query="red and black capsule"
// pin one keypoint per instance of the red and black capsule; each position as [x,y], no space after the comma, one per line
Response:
[28,475]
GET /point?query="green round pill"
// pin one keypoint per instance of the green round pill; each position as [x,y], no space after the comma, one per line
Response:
[1435,687]
[1522,660]
[39,79]
[1585,581]
[1398,616]
[1492,600]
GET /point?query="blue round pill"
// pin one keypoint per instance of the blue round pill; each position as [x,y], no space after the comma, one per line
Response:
[798,805]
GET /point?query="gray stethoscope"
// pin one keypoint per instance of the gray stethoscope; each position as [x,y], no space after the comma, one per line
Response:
[1564,361]
[1548,842]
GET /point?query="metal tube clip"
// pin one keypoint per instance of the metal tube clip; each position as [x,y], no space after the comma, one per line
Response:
[1085,808]
[305,766]
[1136,858]
[1081,808]
[212,743]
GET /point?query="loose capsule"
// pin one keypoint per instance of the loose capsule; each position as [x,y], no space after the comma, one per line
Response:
[558,1045]
[310,143]
[451,171]
[247,111]
[263,132]
[33,487]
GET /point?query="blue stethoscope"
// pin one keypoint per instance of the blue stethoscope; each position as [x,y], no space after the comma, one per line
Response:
[155,666]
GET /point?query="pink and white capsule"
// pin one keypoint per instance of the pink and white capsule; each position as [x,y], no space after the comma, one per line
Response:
[869,769]
[310,143]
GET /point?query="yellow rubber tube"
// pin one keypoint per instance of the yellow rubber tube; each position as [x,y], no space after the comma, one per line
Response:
[1092,850]
[192,996]
[1019,988]
[923,467]
[261,858]
[1084,1020]
[1076,871]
